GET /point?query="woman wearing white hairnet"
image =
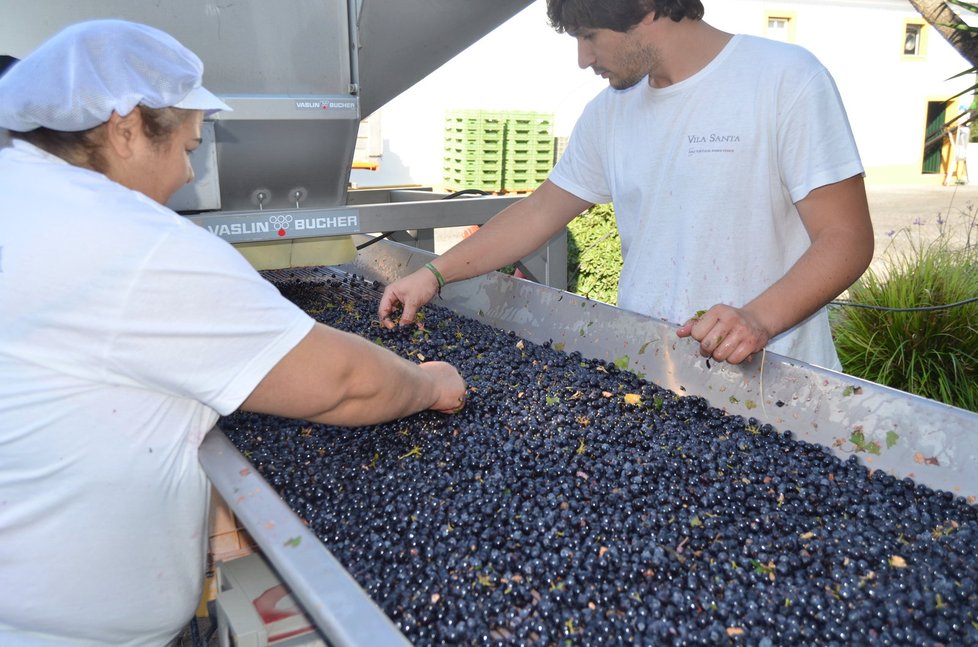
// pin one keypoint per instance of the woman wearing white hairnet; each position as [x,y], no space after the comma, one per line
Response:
[125,331]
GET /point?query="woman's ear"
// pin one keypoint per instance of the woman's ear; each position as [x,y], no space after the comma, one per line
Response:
[121,133]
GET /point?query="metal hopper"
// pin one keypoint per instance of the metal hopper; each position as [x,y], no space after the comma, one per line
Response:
[273,175]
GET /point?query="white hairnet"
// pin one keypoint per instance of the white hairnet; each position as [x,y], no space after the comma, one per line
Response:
[75,80]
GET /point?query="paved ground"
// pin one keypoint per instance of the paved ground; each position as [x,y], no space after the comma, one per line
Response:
[908,214]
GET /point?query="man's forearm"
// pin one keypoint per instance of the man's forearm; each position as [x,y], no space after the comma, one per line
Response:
[515,232]
[824,271]
[836,217]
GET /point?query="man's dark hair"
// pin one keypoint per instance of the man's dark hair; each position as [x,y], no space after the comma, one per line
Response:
[618,15]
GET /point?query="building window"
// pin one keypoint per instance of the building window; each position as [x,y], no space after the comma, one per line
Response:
[780,26]
[913,39]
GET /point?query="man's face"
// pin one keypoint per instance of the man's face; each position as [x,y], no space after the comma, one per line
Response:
[621,57]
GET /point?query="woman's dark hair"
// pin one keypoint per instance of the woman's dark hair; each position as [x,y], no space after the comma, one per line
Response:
[6,61]
[84,147]
[618,15]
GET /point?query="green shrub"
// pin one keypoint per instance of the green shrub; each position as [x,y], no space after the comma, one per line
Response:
[932,353]
[594,255]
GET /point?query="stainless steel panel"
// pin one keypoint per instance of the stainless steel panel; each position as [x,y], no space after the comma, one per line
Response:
[273,60]
[255,225]
[294,107]
[287,47]
[278,157]
[403,41]
[330,597]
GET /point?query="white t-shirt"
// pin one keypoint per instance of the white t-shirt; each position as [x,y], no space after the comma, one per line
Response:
[125,330]
[704,175]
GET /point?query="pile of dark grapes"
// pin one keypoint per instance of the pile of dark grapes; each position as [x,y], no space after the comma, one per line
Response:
[573,503]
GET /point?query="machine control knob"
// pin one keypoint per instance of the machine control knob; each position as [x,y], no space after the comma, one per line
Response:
[260,197]
[298,195]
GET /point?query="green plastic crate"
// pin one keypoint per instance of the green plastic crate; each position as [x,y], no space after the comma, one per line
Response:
[509,150]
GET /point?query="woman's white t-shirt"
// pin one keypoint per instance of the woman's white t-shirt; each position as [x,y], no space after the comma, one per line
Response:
[125,330]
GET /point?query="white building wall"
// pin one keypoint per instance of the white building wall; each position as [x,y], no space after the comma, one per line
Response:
[861,44]
[525,65]
[522,65]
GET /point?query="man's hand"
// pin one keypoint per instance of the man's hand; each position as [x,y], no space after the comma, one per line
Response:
[836,217]
[726,334]
[410,292]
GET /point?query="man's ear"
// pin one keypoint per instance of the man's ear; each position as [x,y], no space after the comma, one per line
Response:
[121,132]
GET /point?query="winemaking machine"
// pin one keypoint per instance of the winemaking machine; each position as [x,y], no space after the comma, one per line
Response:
[273,180]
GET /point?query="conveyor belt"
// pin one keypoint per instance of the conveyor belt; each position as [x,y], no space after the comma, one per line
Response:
[933,443]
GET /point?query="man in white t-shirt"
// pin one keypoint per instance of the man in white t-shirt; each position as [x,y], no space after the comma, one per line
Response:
[735,178]
[125,331]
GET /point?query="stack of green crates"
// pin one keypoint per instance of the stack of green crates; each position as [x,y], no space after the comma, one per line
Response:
[497,151]
[474,150]
[528,150]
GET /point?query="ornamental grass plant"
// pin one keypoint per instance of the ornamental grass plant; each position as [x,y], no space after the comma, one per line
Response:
[912,323]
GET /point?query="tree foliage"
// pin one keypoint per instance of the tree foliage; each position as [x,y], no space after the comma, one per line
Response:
[944,17]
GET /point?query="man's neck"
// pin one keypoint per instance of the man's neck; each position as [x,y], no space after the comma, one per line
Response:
[686,48]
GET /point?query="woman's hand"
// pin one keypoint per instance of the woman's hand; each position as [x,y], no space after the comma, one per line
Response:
[449,387]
